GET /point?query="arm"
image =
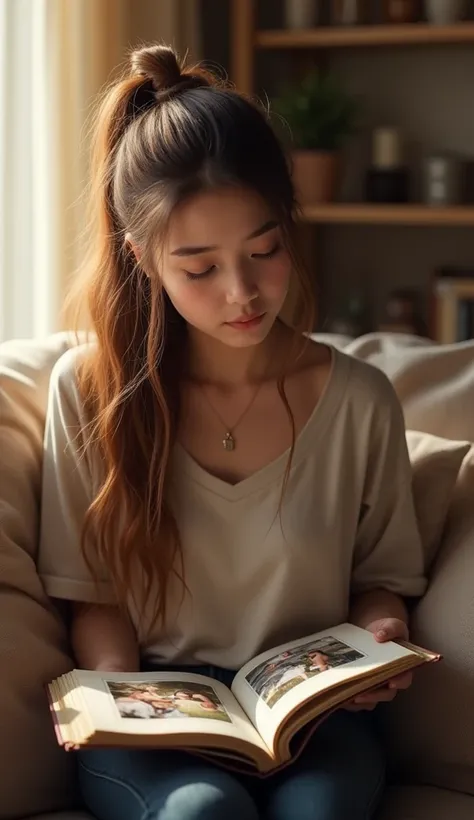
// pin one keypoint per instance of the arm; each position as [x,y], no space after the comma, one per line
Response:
[388,557]
[104,639]
[378,605]
[102,635]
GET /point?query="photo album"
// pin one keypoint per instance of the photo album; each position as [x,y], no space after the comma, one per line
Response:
[260,724]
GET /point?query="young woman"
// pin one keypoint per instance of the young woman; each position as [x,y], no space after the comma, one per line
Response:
[214,481]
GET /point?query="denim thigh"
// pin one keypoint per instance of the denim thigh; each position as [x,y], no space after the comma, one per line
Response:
[339,776]
[119,784]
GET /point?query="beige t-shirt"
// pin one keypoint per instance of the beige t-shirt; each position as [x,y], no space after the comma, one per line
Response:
[255,579]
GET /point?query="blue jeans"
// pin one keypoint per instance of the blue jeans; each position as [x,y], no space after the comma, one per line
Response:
[339,776]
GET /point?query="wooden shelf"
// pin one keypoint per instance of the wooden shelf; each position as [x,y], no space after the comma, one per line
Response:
[369,214]
[353,36]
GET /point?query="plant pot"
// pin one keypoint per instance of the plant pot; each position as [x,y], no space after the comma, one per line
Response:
[444,12]
[315,176]
[301,13]
[401,11]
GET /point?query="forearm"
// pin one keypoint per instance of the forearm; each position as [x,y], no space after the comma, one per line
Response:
[375,605]
[103,638]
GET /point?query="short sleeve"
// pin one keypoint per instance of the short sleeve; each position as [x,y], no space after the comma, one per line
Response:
[67,491]
[388,552]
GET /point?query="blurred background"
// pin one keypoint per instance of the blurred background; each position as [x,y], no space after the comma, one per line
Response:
[374,99]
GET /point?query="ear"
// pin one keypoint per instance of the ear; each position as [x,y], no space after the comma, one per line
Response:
[134,248]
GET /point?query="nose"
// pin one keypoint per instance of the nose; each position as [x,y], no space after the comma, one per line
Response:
[241,288]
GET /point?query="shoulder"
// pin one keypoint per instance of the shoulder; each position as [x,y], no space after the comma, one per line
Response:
[359,383]
[371,402]
[64,392]
[367,382]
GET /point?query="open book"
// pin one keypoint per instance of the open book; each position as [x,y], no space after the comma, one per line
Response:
[275,703]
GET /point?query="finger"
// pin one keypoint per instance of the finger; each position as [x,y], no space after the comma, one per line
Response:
[391,629]
[359,707]
[401,681]
[384,695]
[387,633]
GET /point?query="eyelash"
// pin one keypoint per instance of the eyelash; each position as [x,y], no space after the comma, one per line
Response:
[204,273]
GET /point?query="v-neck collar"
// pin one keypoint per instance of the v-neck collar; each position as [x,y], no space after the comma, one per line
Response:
[185,465]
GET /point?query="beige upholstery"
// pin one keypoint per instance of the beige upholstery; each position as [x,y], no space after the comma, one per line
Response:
[425,803]
[430,729]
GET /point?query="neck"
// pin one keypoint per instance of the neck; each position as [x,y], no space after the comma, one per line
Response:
[213,362]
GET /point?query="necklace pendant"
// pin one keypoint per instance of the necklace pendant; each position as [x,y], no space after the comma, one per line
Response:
[228,442]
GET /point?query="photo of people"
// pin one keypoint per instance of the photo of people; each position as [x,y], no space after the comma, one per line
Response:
[166,700]
[278,675]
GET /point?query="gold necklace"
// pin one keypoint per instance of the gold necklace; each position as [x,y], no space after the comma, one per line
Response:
[228,442]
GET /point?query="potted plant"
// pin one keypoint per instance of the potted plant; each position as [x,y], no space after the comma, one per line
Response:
[320,115]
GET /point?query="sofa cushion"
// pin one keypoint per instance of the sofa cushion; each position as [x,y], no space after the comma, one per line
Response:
[33,646]
[425,803]
[435,383]
[430,728]
[435,465]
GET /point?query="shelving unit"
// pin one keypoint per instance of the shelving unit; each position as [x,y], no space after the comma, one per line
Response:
[364,36]
[369,214]
[323,43]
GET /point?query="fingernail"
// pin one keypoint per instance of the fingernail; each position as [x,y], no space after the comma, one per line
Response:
[381,634]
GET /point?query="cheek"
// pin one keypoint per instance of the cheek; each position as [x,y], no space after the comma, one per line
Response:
[193,300]
[276,277]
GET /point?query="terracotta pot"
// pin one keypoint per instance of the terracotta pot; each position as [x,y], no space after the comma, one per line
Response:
[315,176]
[401,11]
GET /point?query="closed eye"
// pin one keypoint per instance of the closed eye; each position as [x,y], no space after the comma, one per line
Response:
[268,254]
[199,275]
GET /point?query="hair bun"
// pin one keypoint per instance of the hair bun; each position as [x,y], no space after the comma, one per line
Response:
[161,66]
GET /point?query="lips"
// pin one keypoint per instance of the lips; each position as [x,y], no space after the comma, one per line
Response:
[247,322]
[243,320]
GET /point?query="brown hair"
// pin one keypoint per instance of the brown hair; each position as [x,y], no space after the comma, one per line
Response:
[162,132]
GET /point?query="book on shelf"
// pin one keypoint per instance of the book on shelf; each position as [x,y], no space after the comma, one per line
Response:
[258,725]
[453,310]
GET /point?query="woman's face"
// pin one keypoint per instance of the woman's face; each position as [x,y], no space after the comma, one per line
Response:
[225,267]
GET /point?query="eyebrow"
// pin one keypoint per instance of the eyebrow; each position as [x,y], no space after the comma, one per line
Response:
[193,251]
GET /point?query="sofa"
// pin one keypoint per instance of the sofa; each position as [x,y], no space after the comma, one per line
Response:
[428,731]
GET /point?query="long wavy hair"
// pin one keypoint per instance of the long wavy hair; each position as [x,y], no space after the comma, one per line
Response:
[162,132]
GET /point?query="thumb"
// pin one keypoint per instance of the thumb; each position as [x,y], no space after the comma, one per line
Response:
[389,629]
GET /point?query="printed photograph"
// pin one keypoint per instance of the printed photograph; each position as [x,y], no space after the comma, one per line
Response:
[166,700]
[278,675]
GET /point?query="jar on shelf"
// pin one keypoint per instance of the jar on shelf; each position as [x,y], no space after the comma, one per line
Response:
[300,14]
[442,180]
[444,12]
[348,12]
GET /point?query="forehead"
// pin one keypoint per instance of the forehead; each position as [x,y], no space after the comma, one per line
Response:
[212,217]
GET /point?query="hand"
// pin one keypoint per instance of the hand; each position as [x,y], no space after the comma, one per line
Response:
[384,629]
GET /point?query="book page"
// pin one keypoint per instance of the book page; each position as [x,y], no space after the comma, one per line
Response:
[274,684]
[162,703]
